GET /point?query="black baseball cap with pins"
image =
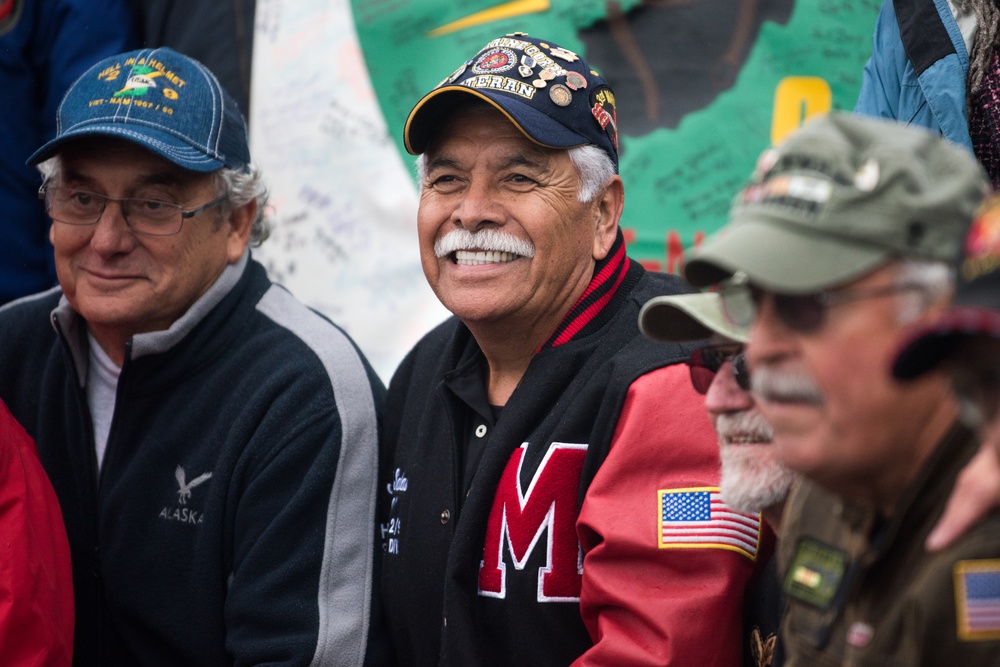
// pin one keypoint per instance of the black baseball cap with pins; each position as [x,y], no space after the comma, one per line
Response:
[549,93]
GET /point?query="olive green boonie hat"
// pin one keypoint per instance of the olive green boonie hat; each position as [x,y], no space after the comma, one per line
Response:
[839,198]
[685,317]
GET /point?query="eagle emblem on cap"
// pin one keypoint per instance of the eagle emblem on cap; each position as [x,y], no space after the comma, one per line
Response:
[139,81]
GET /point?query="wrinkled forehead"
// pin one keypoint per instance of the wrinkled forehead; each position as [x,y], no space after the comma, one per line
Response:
[476,116]
[94,157]
[466,141]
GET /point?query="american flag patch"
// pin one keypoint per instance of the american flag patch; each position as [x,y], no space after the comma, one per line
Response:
[977,599]
[699,519]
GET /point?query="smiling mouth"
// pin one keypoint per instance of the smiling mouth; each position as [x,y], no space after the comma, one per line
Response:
[477,257]
[111,276]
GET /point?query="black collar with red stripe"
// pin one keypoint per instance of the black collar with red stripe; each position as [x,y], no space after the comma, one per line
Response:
[591,312]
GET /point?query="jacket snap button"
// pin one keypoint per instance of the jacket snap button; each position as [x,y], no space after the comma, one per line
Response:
[481,430]
[445,516]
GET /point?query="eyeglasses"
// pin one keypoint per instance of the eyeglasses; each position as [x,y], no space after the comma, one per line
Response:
[155,217]
[803,313]
[705,362]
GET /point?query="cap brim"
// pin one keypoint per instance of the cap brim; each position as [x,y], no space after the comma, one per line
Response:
[152,139]
[425,119]
[780,257]
[926,348]
[685,317]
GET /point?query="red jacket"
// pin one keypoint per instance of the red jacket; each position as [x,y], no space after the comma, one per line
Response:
[36,580]
[646,600]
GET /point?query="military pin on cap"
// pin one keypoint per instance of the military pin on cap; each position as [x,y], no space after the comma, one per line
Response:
[575,80]
[565,54]
[560,95]
[454,75]
[527,66]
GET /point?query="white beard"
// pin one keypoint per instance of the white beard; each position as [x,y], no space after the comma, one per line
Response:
[752,480]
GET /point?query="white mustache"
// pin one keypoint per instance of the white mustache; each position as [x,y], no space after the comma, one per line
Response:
[744,426]
[781,386]
[490,240]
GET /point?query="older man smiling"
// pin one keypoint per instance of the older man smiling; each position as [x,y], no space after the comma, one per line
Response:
[551,477]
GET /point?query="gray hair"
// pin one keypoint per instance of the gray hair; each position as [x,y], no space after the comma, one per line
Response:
[934,281]
[239,187]
[593,166]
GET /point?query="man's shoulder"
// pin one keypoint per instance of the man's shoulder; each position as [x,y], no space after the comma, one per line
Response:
[640,355]
[28,316]
[657,283]
[287,323]
[32,305]
[810,512]
[434,351]
[980,541]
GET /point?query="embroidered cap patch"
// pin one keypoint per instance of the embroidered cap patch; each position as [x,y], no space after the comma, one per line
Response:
[977,599]
[698,518]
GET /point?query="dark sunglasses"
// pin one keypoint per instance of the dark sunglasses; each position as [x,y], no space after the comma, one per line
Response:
[803,313]
[705,362]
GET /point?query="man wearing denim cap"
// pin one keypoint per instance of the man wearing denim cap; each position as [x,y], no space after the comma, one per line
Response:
[753,479]
[211,440]
[549,474]
[842,240]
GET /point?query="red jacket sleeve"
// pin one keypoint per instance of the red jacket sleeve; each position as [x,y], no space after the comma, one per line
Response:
[646,599]
[36,580]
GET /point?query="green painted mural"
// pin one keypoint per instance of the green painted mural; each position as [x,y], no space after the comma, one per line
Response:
[702,86]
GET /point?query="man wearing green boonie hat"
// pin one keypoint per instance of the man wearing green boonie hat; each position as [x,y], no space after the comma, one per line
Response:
[840,242]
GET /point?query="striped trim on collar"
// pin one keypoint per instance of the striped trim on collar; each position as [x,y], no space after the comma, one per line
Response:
[609,274]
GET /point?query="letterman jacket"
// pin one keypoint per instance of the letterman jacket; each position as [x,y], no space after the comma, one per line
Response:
[555,555]
[917,70]
[231,521]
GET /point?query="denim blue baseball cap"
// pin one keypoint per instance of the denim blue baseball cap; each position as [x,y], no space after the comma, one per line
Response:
[161,100]
[549,93]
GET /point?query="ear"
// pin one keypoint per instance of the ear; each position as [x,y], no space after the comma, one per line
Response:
[608,206]
[238,234]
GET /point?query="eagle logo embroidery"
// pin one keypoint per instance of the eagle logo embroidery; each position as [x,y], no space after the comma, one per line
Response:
[184,492]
